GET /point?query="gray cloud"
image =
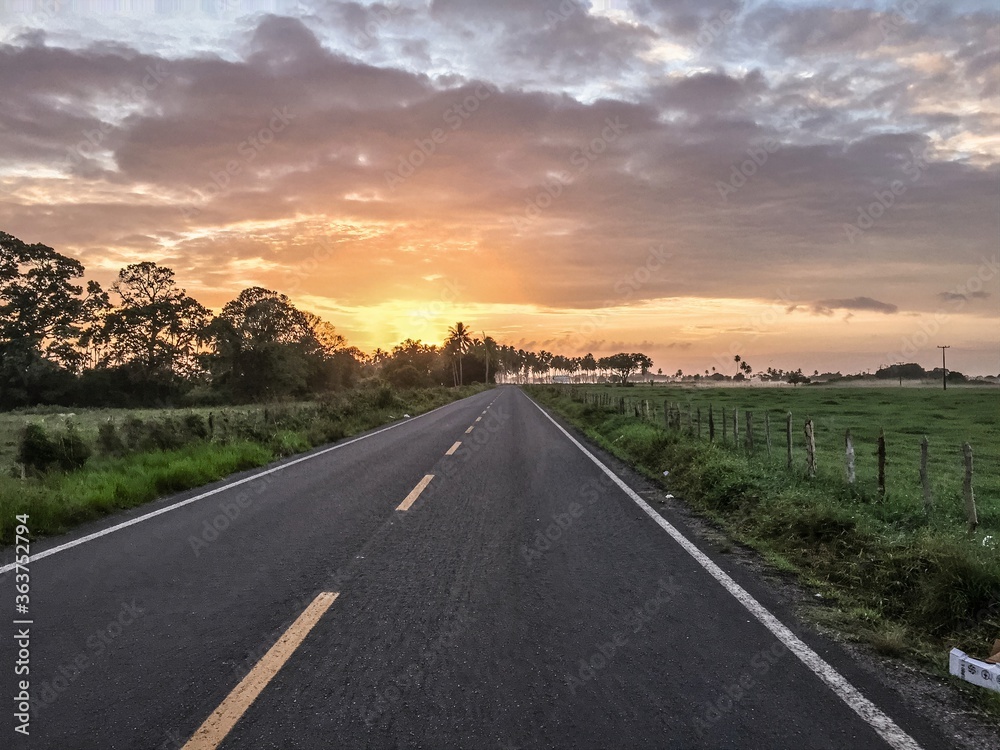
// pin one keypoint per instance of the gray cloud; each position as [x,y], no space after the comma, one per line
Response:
[845,133]
[828,306]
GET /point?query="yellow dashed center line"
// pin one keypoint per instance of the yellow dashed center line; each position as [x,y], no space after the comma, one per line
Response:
[468,431]
[478,418]
[215,728]
[415,493]
[453,448]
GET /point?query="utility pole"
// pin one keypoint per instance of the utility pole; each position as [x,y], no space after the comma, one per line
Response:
[944,368]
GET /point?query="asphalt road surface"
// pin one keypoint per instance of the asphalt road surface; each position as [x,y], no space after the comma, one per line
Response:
[469,578]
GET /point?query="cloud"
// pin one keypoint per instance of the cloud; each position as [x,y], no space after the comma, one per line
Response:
[865,304]
[279,138]
[959,297]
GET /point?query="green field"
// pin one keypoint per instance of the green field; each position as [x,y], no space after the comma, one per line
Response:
[887,574]
[947,418]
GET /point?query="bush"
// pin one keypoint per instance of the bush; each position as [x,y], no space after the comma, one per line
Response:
[165,434]
[71,450]
[325,431]
[134,430]
[109,442]
[384,398]
[406,376]
[195,427]
[37,451]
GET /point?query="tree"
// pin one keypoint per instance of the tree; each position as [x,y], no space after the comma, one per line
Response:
[796,377]
[265,347]
[41,309]
[412,364]
[489,354]
[44,315]
[459,341]
[156,327]
[623,365]
[643,363]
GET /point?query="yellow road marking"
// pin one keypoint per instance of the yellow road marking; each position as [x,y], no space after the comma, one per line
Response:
[468,431]
[478,418]
[453,448]
[215,728]
[415,493]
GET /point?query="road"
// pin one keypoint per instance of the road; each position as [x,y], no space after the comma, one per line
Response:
[403,591]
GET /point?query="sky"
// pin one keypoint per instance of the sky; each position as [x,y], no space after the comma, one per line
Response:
[805,184]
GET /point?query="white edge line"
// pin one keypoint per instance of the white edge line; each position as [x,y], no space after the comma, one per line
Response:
[880,722]
[152,514]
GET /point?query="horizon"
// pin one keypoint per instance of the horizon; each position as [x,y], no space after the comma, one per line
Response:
[805,184]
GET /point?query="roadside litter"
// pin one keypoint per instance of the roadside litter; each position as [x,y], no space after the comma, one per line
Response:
[985,672]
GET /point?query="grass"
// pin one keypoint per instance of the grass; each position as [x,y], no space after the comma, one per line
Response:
[58,502]
[948,419]
[242,438]
[904,583]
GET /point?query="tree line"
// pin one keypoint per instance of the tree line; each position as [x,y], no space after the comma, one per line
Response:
[145,341]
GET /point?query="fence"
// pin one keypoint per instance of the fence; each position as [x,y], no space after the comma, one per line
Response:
[759,435]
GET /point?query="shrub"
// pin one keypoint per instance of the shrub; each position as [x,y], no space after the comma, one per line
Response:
[195,427]
[165,434]
[134,430]
[325,431]
[109,442]
[71,450]
[37,451]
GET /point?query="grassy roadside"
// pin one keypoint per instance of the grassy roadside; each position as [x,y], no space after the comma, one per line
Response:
[907,588]
[141,459]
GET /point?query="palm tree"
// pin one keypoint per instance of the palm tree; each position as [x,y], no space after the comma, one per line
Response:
[489,350]
[459,338]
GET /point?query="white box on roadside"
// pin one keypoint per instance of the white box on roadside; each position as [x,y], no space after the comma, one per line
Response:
[977,672]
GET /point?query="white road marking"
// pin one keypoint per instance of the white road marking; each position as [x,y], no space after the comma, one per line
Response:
[453,448]
[880,722]
[152,514]
[468,431]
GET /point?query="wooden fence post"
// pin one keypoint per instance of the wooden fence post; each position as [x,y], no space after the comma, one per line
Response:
[767,432]
[711,424]
[736,427]
[788,437]
[849,454]
[881,462]
[699,422]
[810,449]
[725,436]
[970,497]
[666,414]
[749,416]
[925,481]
